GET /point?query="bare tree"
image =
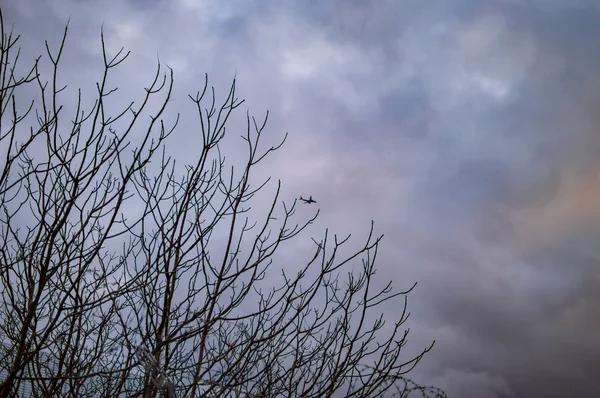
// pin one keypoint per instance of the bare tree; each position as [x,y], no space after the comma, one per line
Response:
[85,282]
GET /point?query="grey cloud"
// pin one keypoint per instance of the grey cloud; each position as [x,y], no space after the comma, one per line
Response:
[407,111]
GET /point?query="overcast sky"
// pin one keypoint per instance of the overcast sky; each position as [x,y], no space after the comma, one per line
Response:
[468,130]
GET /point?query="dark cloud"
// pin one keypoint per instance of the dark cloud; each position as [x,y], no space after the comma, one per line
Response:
[406,111]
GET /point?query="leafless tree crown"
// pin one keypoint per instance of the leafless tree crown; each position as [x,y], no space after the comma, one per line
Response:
[108,247]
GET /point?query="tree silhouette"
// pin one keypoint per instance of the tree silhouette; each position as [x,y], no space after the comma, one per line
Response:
[97,300]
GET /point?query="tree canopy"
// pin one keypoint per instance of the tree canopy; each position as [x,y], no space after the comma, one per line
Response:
[185,295]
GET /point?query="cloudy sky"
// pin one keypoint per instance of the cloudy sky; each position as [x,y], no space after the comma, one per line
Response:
[467,130]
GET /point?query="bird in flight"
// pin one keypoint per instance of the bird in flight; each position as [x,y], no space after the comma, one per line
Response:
[309,200]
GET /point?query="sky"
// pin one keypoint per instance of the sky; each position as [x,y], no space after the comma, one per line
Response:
[467,130]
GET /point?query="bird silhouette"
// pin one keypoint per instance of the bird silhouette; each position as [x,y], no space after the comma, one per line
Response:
[309,200]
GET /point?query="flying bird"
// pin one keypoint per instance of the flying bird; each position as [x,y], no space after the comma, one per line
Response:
[309,200]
